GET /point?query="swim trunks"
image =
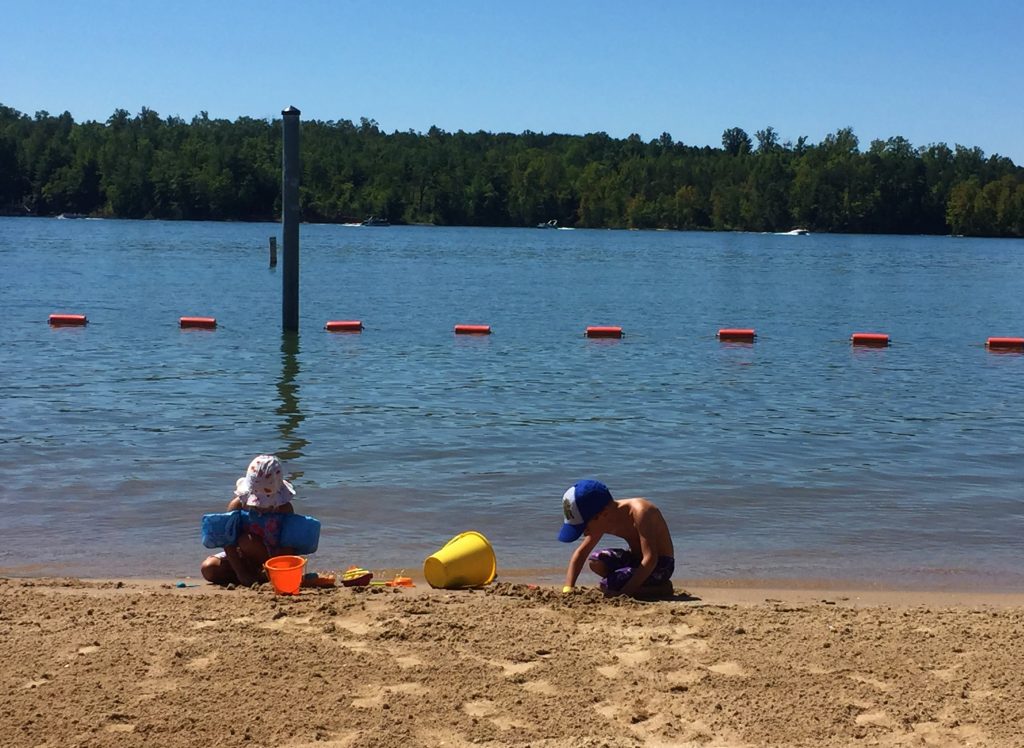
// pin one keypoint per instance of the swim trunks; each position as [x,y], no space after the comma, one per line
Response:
[621,564]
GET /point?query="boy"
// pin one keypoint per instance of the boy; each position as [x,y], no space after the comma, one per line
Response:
[645,568]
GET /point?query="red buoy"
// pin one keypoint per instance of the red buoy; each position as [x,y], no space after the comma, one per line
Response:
[599,331]
[877,339]
[1005,344]
[205,323]
[472,329]
[737,334]
[68,320]
[344,325]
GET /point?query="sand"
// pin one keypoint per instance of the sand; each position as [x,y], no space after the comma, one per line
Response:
[136,663]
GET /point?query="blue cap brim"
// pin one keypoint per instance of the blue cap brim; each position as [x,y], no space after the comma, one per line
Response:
[569,533]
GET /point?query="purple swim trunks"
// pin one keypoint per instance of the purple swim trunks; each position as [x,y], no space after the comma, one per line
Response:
[621,563]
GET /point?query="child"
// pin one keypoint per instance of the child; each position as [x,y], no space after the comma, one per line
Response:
[645,568]
[265,495]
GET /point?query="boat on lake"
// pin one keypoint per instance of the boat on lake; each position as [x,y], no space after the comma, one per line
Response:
[69,216]
[552,224]
[376,221]
[795,232]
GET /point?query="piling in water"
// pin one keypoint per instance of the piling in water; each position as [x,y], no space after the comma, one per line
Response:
[290,220]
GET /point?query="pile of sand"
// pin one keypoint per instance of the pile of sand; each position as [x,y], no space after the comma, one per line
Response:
[123,664]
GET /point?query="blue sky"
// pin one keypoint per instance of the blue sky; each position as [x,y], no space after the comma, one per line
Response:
[930,71]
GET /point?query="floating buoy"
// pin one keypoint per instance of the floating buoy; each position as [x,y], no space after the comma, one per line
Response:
[68,320]
[206,323]
[344,325]
[472,329]
[737,334]
[877,339]
[604,332]
[1005,344]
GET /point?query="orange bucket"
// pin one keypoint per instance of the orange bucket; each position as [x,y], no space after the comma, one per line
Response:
[285,573]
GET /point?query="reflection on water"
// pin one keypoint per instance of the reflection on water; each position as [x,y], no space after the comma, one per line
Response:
[288,403]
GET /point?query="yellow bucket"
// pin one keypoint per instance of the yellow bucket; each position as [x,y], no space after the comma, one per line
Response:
[467,560]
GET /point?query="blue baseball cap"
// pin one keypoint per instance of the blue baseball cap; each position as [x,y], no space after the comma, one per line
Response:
[581,503]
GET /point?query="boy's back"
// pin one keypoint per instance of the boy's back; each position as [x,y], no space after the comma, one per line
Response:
[643,519]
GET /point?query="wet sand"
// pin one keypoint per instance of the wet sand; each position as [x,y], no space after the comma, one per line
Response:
[108,663]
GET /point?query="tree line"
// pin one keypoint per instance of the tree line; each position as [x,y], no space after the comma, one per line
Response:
[148,166]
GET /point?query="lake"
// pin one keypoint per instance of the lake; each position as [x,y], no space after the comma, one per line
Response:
[797,457]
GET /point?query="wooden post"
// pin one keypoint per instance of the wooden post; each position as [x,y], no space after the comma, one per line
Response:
[273,251]
[290,219]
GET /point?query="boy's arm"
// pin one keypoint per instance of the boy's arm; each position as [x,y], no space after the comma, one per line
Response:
[579,557]
[649,560]
[235,503]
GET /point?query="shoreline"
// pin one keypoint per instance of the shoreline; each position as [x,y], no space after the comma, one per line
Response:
[721,592]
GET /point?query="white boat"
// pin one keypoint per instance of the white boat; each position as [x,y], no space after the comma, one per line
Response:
[794,232]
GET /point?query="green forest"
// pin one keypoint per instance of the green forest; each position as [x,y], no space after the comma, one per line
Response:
[148,166]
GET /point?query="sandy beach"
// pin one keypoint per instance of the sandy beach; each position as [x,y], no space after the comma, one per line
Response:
[109,663]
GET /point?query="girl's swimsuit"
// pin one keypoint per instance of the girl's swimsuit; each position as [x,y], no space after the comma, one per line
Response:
[267,527]
[621,564]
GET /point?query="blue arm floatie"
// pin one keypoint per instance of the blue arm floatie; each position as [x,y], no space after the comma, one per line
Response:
[298,531]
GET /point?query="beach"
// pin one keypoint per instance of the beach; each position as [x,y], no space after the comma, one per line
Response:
[133,662]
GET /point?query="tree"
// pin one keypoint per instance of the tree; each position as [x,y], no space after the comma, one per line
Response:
[735,141]
[215,169]
[767,140]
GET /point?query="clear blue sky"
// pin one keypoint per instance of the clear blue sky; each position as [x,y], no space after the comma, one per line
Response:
[936,71]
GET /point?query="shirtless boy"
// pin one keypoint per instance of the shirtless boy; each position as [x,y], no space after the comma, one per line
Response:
[644,568]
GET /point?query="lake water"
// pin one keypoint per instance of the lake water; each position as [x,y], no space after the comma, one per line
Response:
[796,457]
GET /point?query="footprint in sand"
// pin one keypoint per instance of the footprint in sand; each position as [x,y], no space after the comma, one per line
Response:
[685,677]
[732,669]
[200,663]
[608,711]
[503,722]
[633,657]
[385,691]
[817,670]
[88,650]
[40,681]
[408,661]
[877,718]
[288,622]
[690,645]
[542,687]
[609,671]
[353,627]
[511,669]
[627,658]
[873,682]
[480,708]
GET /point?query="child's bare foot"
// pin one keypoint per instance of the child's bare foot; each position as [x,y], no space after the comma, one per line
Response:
[659,591]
